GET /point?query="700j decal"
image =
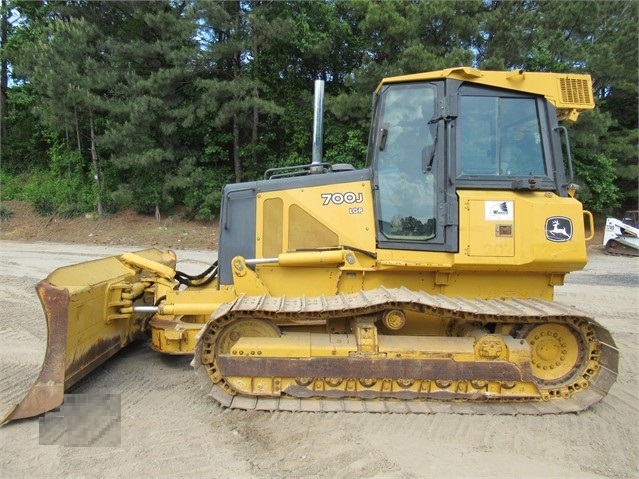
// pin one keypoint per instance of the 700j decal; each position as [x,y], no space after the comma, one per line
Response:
[340,198]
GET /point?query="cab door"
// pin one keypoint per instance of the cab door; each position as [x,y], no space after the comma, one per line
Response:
[413,210]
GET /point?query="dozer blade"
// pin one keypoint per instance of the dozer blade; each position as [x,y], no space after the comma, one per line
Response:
[85,325]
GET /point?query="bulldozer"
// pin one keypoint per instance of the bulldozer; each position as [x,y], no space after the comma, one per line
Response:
[420,283]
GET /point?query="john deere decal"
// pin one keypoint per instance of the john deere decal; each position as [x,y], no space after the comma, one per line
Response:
[559,229]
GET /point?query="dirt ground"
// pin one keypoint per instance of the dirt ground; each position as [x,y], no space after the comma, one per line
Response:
[124,228]
[170,428]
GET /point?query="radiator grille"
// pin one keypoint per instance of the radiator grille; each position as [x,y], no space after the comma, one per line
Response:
[575,91]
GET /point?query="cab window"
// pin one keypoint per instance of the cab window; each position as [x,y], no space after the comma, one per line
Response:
[500,137]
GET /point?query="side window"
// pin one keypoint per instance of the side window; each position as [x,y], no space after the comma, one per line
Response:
[521,152]
[406,142]
[479,124]
[500,137]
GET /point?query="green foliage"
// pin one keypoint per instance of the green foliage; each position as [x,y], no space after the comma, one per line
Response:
[10,186]
[203,198]
[25,146]
[5,213]
[597,134]
[346,147]
[63,189]
[198,189]
[157,104]
[596,174]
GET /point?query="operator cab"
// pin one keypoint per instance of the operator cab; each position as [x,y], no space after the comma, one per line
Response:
[430,138]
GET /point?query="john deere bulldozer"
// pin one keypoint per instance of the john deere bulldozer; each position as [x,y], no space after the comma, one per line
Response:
[421,283]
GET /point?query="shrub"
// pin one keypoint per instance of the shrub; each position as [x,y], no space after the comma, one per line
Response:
[64,188]
[11,186]
[5,213]
[596,175]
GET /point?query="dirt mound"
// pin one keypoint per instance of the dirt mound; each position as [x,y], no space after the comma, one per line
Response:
[124,228]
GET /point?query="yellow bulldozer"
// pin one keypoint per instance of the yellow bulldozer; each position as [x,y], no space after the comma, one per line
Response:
[421,283]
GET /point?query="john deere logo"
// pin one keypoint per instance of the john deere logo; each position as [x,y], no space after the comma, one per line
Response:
[558,229]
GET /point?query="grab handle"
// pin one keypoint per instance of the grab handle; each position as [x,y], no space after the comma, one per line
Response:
[591,224]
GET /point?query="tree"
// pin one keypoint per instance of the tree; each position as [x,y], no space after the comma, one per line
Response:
[4,68]
[61,65]
[163,102]
[146,125]
[21,137]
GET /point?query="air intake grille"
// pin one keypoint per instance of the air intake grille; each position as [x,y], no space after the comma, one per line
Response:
[575,91]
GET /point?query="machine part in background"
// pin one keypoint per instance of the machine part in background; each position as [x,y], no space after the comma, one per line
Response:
[621,237]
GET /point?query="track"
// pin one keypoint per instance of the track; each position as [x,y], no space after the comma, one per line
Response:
[622,246]
[593,378]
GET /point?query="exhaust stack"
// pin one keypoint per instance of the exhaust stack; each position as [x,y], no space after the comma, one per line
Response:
[318,111]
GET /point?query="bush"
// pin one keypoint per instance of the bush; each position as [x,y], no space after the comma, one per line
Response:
[11,186]
[202,200]
[596,175]
[5,213]
[63,189]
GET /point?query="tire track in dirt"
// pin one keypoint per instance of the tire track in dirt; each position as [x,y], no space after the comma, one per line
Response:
[15,379]
[313,445]
[22,339]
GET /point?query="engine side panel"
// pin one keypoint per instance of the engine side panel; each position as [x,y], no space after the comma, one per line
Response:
[268,217]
